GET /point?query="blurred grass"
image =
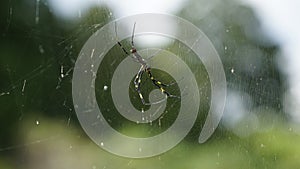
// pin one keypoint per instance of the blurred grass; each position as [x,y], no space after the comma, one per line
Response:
[51,144]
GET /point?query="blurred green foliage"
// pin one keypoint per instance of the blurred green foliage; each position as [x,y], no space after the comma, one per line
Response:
[39,128]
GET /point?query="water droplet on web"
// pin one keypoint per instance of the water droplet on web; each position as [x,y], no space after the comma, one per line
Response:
[62,71]
[105,88]
[232,70]
[37,122]
[41,49]
[37,12]
[23,88]
[159,121]
[102,144]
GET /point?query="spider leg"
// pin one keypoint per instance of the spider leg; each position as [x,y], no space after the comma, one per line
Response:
[137,84]
[125,51]
[159,84]
[132,43]
[118,41]
[121,46]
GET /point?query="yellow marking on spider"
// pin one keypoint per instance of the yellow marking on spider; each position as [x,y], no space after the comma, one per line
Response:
[151,77]
[158,82]
[139,81]
[162,90]
[136,86]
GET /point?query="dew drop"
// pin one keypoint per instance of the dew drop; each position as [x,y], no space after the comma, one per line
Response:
[41,49]
[232,70]
[105,87]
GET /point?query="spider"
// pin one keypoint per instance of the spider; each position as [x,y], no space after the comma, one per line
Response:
[144,68]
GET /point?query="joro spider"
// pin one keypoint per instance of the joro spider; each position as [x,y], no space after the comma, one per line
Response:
[144,68]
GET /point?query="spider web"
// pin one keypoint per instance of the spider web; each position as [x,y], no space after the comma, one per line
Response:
[38,53]
[36,70]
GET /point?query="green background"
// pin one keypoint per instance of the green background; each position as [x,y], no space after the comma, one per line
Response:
[39,127]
